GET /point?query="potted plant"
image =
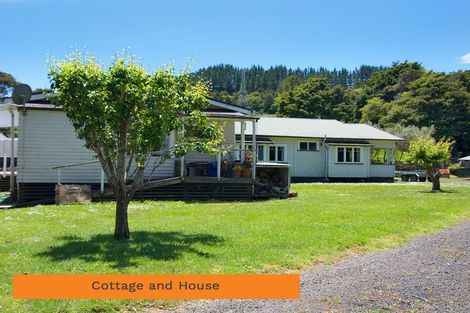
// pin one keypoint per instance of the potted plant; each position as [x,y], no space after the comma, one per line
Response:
[247,164]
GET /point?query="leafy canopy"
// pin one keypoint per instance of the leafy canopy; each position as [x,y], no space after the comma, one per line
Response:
[124,99]
[125,114]
[7,82]
[427,152]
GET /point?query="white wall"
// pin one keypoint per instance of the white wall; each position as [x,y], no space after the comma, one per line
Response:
[312,163]
[47,139]
[382,170]
[349,170]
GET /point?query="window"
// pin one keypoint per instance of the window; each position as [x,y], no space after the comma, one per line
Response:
[280,153]
[340,157]
[357,155]
[164,147]
[260,151]
[238,153]
[348,155]
[272,153]
[277,153]
[307,146]
[381,156]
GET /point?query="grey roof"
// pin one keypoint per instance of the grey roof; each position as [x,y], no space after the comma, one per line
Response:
[467,158]
[272,164]
[315,128]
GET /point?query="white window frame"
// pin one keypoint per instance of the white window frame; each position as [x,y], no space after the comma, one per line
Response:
[249,146]
[317,144]
[345,161]
[276,145]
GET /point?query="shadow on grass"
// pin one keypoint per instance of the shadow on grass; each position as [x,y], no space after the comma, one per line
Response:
[438,191]
[149,245]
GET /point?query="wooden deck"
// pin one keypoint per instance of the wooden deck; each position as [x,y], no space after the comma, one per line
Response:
[193,188]
[172,188]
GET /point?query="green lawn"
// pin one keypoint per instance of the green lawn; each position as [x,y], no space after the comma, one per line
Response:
[325,222]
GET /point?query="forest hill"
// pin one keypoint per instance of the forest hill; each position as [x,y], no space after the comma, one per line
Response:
[403,94]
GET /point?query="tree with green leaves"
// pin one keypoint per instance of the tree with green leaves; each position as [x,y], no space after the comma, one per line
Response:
[7,82]
[432,155]
[408,134]
[124,115]
[374,110]
[310,99]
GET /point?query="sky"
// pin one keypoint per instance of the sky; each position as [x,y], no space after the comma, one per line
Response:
[332,34]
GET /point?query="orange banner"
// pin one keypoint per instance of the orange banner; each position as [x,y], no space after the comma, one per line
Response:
[244,286]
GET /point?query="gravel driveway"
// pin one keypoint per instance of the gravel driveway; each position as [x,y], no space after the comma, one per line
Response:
[430,274]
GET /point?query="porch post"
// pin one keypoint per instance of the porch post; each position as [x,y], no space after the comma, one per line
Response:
[242,141]
[102,182]
[12,156]
[4,174]
[255,151]
[218,165]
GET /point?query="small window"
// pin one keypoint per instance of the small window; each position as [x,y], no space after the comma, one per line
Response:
[340,156]
[307,146]
[277,153]
[348,155]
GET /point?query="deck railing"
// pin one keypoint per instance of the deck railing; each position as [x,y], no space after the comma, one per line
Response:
[5,171]
[60,167]
[219,162]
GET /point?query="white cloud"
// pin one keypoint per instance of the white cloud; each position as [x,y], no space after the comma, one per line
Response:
[465,59]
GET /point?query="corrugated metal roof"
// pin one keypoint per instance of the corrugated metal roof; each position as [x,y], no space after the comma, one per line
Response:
[315,128]
[272,164]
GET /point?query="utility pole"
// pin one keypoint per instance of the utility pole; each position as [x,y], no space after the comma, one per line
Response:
[242,94]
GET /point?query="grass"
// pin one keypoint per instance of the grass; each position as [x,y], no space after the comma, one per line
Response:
[326,222]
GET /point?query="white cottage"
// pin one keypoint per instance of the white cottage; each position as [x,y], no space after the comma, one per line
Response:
[323,150]
[50,153]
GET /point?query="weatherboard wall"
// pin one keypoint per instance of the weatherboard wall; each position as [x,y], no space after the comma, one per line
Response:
[47,139]
[312,164]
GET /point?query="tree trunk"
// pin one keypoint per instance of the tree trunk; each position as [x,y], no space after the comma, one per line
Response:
[121,229]
[436,183]
[435,179]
